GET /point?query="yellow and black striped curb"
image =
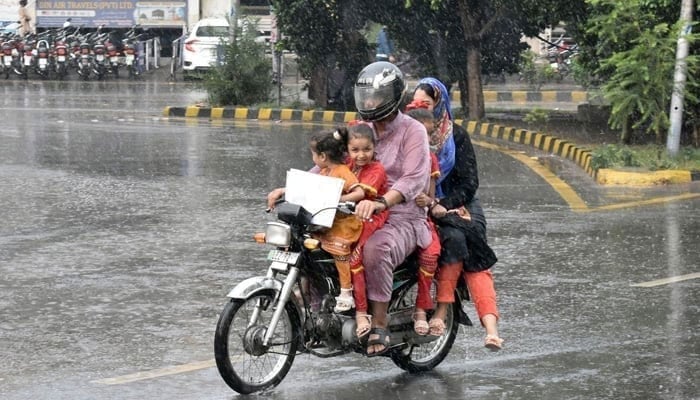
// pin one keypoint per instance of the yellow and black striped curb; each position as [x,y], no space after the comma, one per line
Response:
[271,114]
[547,143]
[527,96]
[582,157]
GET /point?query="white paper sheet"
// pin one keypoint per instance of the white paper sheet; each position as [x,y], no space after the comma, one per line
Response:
[315,193]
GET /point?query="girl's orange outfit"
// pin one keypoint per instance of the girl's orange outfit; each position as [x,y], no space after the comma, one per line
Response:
[346,229]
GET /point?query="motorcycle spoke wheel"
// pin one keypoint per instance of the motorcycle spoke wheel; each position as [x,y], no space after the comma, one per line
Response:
[243,362]
[422,357]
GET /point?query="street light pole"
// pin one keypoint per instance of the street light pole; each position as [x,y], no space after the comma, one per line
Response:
[679,77]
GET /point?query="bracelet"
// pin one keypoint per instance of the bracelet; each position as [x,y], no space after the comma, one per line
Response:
[432,205]
[382,200]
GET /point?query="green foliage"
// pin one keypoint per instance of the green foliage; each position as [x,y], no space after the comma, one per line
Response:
[647,157]
[636,49]
[611,155]
[535,74]
[245,78]
[537,116]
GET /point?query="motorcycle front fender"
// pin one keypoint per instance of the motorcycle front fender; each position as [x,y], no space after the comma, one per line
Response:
[253,285]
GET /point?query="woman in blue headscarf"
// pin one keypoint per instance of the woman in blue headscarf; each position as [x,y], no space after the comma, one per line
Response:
[459,217]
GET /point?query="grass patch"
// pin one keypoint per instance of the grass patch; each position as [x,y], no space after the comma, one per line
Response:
[646,157]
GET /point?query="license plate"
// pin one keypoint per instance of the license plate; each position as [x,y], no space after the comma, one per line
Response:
[43,62]
[99,57]
[129,58]
[114,59]
[8,60]
[286,257]
[61,58]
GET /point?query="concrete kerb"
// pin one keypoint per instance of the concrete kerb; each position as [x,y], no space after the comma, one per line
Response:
[544,142]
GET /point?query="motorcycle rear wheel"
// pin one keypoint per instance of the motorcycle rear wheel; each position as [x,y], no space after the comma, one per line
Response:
[425,356]
[243,362]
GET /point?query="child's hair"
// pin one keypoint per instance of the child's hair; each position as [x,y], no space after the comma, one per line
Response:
[356,130]
[421,115]
[332,144]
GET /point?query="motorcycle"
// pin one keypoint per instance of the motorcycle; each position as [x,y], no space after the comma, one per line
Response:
[9,54]
[270,319]
[84,60]
[42,66]
[61,58]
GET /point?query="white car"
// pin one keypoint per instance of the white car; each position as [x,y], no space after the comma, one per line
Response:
[201,47]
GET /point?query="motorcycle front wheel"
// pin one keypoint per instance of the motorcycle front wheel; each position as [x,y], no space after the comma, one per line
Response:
[425,356]
[245,364]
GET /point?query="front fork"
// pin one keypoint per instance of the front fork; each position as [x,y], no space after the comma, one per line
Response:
[252,286]
[285,293]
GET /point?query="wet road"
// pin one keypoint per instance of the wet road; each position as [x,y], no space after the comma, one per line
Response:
[122,232]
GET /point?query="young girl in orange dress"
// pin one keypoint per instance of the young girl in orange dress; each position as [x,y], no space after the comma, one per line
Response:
[328,153]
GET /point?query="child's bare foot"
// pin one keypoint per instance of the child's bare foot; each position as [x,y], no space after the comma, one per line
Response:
[493,343]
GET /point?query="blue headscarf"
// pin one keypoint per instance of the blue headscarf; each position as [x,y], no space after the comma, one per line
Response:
[441,141]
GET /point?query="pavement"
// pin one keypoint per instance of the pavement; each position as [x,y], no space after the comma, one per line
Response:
[512,98]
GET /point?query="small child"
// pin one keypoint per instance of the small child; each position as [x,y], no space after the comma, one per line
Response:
[328,153]
[427,257]
[372,178]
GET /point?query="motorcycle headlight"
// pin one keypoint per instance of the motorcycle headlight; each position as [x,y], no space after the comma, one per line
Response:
[278,234]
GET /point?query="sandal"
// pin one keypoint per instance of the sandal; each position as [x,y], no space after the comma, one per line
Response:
[345,301]
[381,338]
[364,324]
[420,323]
[493,343]
[437,327]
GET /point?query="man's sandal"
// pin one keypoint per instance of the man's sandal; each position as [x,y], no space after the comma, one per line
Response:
[381,338]
[437,327]
[493,343]
[364,324]
[420,323]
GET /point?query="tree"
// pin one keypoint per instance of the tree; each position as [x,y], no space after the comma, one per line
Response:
[245,77]
[488,34]
[632,47]
[325,34]
[454,40]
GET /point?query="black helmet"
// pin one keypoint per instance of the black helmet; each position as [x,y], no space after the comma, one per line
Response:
[379,90]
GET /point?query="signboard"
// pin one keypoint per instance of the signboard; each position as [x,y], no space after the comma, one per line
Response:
[9,11]
[111,13]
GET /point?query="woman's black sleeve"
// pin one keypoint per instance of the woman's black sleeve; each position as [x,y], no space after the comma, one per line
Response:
[462,182]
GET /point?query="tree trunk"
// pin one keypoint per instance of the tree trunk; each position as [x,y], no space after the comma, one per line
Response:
[625,135]
[318,86]
[464,92]
[475,90]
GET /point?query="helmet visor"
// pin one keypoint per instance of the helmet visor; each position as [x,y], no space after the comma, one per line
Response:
[369,99]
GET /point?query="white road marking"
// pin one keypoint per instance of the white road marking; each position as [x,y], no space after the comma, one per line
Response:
[157,373]
[666,281]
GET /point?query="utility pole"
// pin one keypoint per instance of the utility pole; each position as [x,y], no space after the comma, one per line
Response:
[679,77]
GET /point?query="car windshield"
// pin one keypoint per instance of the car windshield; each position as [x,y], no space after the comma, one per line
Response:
[204,31]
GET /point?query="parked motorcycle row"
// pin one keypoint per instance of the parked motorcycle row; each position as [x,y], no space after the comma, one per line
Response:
[57,53]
